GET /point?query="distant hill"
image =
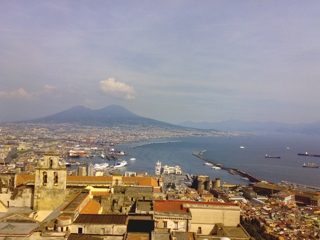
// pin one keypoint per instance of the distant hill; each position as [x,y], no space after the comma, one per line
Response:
[270,127]
[112,115]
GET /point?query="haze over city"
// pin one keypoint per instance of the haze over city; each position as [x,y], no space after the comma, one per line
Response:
[172,61]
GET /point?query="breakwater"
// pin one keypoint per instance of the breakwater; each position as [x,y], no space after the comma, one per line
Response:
[242,173]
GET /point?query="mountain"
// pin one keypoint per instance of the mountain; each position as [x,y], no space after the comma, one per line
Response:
[112,115]
[270,127]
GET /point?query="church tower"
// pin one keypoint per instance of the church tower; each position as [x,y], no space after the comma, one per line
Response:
[50,182]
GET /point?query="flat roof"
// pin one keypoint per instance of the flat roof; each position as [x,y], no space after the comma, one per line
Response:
[101,219]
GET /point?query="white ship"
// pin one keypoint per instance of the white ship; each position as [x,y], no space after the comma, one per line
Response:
[101,166]
[216,167]
[208,164]
[120,164]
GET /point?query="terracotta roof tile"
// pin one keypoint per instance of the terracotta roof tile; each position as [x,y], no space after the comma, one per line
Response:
[91,208]
[142,181]
[169,206]
[21,178]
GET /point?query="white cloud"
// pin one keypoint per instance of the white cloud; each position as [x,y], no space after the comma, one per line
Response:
[48,88]
[117,89]
[19,93]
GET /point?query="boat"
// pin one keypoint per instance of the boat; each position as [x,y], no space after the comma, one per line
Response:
[310,165]
[241,146]
[120,164]
[245,178]
[132,159]
[73,154]
[100,166]
[102,156]
[308,154]
[76,153]
[208,164]
[267,156]
[216,167]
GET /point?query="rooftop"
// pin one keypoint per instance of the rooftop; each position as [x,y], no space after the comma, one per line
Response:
[101,219]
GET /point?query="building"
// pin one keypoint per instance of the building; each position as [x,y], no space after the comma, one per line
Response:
[49,183]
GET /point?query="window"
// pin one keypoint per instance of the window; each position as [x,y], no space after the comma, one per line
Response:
[45,178]
[165,224]
[175,225]
[199,231]
[80,230]
[55,177]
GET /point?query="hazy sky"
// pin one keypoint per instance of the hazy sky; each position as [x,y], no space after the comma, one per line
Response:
[172,61]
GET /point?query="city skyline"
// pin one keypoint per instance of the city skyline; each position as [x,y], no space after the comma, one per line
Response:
[169,61]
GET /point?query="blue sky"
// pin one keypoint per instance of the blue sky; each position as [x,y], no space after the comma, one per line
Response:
[168,60]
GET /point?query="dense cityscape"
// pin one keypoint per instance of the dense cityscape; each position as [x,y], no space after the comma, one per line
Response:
[41,197]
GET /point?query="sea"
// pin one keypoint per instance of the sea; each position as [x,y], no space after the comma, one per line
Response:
[246,153]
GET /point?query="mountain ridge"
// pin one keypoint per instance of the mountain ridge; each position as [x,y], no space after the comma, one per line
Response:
[112,115]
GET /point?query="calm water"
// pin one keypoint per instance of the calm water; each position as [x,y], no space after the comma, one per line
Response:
[227,152]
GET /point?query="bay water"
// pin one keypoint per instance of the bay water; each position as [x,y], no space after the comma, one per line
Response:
[246,153]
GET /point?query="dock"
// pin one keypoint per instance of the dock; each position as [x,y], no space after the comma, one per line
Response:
[300,185]
[231,170]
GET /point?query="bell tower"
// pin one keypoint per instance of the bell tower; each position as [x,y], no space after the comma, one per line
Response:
[50,182]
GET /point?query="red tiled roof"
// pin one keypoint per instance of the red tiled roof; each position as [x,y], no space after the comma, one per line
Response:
[142,181]
[169,206]
[91,208]
[21,178]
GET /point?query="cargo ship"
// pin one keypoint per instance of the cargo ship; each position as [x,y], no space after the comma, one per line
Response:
[308,154]
[267,156]
[310,165]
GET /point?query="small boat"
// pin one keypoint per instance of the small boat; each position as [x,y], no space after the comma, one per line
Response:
[120,164]
[216,167]
[241,146]
[208,164]
[245,178]
[267,156]
[132,159]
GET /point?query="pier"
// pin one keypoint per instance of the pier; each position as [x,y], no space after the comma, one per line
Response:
[300,185]
[231,170]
